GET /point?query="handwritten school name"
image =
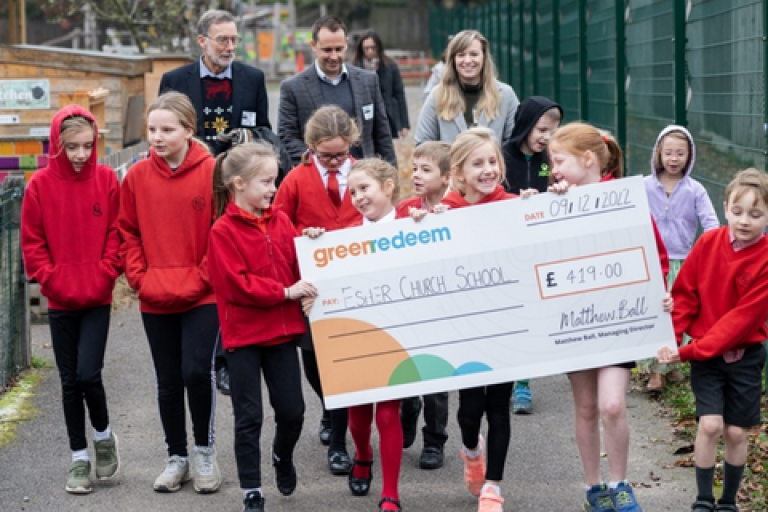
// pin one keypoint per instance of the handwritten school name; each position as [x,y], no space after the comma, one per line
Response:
[463,278]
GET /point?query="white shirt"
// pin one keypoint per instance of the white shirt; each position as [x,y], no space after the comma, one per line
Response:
[332,81]
[388,217]
[341,177]
[204,71]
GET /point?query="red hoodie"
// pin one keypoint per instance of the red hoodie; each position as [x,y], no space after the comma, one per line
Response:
[165,218]
[304,198]
[68,226]
[455,200]
[252,260]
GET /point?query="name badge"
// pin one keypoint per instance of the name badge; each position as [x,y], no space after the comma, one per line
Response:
[368,112]
[249,119]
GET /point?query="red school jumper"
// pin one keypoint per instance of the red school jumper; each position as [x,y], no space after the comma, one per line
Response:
[165,218]
[69,232]
[251,261]
[721,296]
[303,197]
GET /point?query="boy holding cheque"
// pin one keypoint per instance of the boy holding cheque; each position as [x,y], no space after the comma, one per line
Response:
[720,298]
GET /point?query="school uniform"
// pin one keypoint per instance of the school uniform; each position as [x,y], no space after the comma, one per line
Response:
[70,243]
[252,261]
[165,220]
[493,400]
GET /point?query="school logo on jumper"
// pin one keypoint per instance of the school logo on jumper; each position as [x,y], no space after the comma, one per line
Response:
[402,240]
[97,210]
[198,203]
[544,170]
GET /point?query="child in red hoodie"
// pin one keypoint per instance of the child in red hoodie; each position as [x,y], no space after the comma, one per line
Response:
[70,243]
[166,211]
[254,271]
[373,188]
[720,296]
[314,194]
[477,170]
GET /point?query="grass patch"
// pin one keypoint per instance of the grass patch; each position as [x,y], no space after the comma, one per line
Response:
[16,406]
[39,362]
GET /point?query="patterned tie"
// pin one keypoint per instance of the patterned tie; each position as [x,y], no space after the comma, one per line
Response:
[333,188]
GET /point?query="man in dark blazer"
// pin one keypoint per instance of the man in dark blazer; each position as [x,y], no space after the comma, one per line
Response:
[330,81]
[226,94]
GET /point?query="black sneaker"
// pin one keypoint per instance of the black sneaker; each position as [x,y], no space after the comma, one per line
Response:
[222,380]
[324,431]
[285,475]
[432,457]
[253,502]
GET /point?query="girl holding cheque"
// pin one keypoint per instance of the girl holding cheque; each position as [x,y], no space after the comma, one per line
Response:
[581,155]
[373,187]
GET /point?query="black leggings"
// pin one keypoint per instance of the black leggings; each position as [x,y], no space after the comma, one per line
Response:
[79,341]
[183,347]
[279,364]
[339,417]
[494,402]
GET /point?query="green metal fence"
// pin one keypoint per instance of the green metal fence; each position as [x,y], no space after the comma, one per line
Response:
[635,66]
[14,345]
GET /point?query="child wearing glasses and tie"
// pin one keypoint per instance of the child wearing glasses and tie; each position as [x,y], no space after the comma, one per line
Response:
[314,194]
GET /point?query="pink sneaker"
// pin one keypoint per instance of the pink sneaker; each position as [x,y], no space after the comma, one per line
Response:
[490,502]
[474,468]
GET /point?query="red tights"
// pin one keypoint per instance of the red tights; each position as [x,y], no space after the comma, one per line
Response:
[390,438]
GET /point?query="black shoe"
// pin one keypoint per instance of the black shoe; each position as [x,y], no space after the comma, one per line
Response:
[410,422]
[254,502]
[390,500]
[222,380]
[339,462]
[324,432]
[361,486]
[285,475]
[432,457]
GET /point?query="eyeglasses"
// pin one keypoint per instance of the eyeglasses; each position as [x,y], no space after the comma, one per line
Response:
[327,157]
[224,40]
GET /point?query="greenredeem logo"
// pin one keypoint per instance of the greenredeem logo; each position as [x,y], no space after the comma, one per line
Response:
[402,240]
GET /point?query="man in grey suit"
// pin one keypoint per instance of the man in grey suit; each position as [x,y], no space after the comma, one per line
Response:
[329,81]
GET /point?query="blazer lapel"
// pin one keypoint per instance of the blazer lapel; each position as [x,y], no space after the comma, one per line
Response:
[195,93]
[358,94]
[312,83]
[460,122]
[239,91]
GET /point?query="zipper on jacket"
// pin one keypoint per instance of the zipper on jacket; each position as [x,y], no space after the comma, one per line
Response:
[528,175]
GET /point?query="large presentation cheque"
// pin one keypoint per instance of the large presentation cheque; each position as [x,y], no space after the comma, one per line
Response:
[492,293]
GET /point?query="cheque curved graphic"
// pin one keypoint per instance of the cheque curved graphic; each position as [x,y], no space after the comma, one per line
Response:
[354,355]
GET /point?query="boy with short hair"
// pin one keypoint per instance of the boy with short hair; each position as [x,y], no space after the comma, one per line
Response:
[527,164]
[720,298]
[431,173]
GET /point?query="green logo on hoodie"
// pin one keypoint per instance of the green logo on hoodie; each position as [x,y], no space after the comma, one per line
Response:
[544,170]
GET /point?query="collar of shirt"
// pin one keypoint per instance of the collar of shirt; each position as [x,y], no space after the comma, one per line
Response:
[738,245]
[204,71]
[333,81]
[341,177]
[388,217]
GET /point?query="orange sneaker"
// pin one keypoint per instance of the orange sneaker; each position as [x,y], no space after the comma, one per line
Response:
[490,502]
[474,468]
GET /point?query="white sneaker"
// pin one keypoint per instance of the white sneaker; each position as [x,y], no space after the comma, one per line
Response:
[207,475]
[176,473]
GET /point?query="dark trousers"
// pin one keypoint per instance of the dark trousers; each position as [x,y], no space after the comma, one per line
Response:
[435,416]
[493,401]
[79,341]
[183,346]
[339,417]
[279,364]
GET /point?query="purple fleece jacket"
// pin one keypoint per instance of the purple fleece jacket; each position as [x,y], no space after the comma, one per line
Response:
[676,216]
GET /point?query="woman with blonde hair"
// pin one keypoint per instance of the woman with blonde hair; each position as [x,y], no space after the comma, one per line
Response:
[468,95]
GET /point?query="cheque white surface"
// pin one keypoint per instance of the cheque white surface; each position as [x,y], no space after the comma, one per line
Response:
[492,293]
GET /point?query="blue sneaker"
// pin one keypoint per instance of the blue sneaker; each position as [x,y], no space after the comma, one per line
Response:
[522,401]
[598,499]
[624,498]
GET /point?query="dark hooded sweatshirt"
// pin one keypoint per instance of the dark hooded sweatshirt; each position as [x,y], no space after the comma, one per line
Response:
[525,171]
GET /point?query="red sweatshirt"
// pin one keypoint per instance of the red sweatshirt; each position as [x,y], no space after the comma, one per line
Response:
[455,200]
[404,206]
[165,218]
[304,198]
[721,296]
[69,226]
[252,260]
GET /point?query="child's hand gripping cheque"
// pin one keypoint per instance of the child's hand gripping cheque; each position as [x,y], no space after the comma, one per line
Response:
[419,213]
[668,355]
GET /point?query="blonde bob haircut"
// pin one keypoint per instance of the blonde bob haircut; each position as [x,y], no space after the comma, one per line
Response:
[380,171]
[450,100]
[463,146]
[746,180]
